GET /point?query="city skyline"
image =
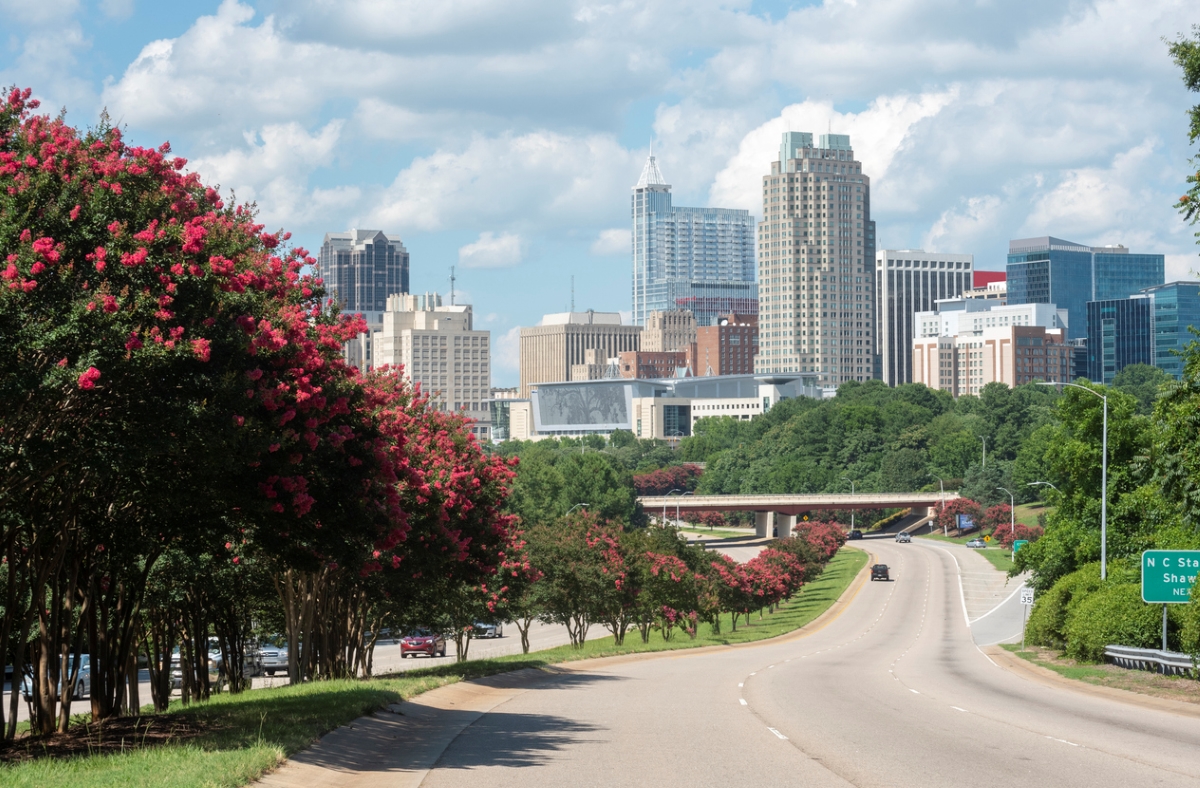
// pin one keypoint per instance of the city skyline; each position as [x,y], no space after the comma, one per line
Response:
[503,141]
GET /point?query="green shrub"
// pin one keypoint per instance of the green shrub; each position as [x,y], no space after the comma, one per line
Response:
[1048,619]
[1114,614]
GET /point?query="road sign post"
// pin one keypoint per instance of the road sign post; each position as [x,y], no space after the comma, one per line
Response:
[1026,603]
[1167,579]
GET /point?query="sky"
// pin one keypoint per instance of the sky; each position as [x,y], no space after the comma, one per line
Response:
[503,138]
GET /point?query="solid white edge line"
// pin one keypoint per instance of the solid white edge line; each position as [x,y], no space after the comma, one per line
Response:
[1007,599]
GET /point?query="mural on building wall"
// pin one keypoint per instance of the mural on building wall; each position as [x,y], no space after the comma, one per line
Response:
[579,405]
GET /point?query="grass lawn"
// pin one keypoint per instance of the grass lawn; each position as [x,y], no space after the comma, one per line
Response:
[999,557]
[233,739]
[726,532]
[1027,513]
[1143,681]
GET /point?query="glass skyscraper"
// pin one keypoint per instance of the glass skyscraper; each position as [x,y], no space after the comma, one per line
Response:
[361,268]
[701,259]
[1176,311]
[1050,270]
[1119,333]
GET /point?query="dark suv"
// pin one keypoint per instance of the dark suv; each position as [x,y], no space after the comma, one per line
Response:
[879,572]
[423,641]
[856,534]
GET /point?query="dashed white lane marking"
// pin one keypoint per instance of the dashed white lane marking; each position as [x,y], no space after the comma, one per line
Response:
[741,683]
[956,708]
[913,691]
[770,666]
[1064,741]
[742,701]
[777,733]
[755,673]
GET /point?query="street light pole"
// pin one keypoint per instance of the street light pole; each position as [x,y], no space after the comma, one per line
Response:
[1012,514]
[942,486]
[984,455]
[1103,477]
[668,495]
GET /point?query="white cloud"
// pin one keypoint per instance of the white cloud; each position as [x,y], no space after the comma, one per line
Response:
[1182,267]
[506,351]
[272,168]
[542,178]
[117,9]
[877,133]
[491,251]
[615,241]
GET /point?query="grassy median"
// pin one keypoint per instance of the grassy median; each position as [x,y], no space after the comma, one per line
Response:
[233,740]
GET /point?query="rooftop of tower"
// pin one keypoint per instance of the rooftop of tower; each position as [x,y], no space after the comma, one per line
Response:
[651,175]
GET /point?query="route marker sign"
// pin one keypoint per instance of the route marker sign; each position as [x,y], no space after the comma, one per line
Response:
[1168,576]
[1027,597]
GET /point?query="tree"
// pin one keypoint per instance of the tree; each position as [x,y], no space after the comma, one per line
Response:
[1143,382]
[1186,54]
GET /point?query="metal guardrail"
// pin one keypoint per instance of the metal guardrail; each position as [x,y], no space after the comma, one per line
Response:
[1167,662]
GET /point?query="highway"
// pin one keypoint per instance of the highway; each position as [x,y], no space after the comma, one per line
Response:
[893,691]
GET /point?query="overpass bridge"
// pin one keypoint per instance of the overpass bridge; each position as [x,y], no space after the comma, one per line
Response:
[782,510]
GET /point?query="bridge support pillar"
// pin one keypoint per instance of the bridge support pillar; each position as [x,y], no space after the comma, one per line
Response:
[763,522]
[786,523]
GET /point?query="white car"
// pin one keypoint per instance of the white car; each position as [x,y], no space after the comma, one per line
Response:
[273,659]
[903,537]
[83,687]
[485,629]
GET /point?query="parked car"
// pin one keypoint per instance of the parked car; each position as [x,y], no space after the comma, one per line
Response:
[976,543]
[856,534]
[903,538]
[423,641]
[485,629]
[273,659]
[880,572]
[83,686]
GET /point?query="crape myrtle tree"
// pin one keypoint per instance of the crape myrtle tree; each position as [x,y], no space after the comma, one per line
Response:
[172,386]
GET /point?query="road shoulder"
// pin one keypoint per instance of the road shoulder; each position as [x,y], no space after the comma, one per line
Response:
[1047,677]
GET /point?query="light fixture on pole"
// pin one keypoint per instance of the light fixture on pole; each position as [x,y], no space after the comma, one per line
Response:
[1103,476]
[1048,484]
[1012,514]
[676,490]
[573,508]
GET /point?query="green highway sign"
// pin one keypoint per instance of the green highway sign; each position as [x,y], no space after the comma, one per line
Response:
[1168,575]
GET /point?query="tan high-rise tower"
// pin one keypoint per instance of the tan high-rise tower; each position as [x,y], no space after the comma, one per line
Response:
[816,263]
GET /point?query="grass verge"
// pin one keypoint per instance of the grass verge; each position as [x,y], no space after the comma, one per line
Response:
[1142,681]
[233,740]
[999,557]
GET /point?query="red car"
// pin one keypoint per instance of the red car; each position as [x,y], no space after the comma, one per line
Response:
[423,641]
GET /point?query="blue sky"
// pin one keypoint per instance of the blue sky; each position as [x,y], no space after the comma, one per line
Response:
[503,137]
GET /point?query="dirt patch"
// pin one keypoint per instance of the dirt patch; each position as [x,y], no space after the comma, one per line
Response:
[119,734]
[1179,688]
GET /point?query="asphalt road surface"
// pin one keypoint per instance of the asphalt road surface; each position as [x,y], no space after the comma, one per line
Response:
[893,692]
[387,660]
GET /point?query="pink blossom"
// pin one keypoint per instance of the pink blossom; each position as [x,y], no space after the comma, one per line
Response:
[36,268]
[88,379]
[110,304]
[201,348]
[239,420]
[62,362]
[75,213]
[133,343]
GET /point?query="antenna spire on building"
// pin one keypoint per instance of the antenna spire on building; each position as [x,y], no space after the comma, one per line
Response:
[572,292]
[453,279]
[651,175]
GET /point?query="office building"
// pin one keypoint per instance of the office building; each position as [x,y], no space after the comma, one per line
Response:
[1012,355]
[909,281]
[816,263]
[650,364]
[1176,312]
[698,259]
[954,316]
[561,341]
[665,332]
[361,268]
[988,286]
[727,348]
[666,409]
[436,347]
[1151,327]
[1049,270]
[1120,332]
